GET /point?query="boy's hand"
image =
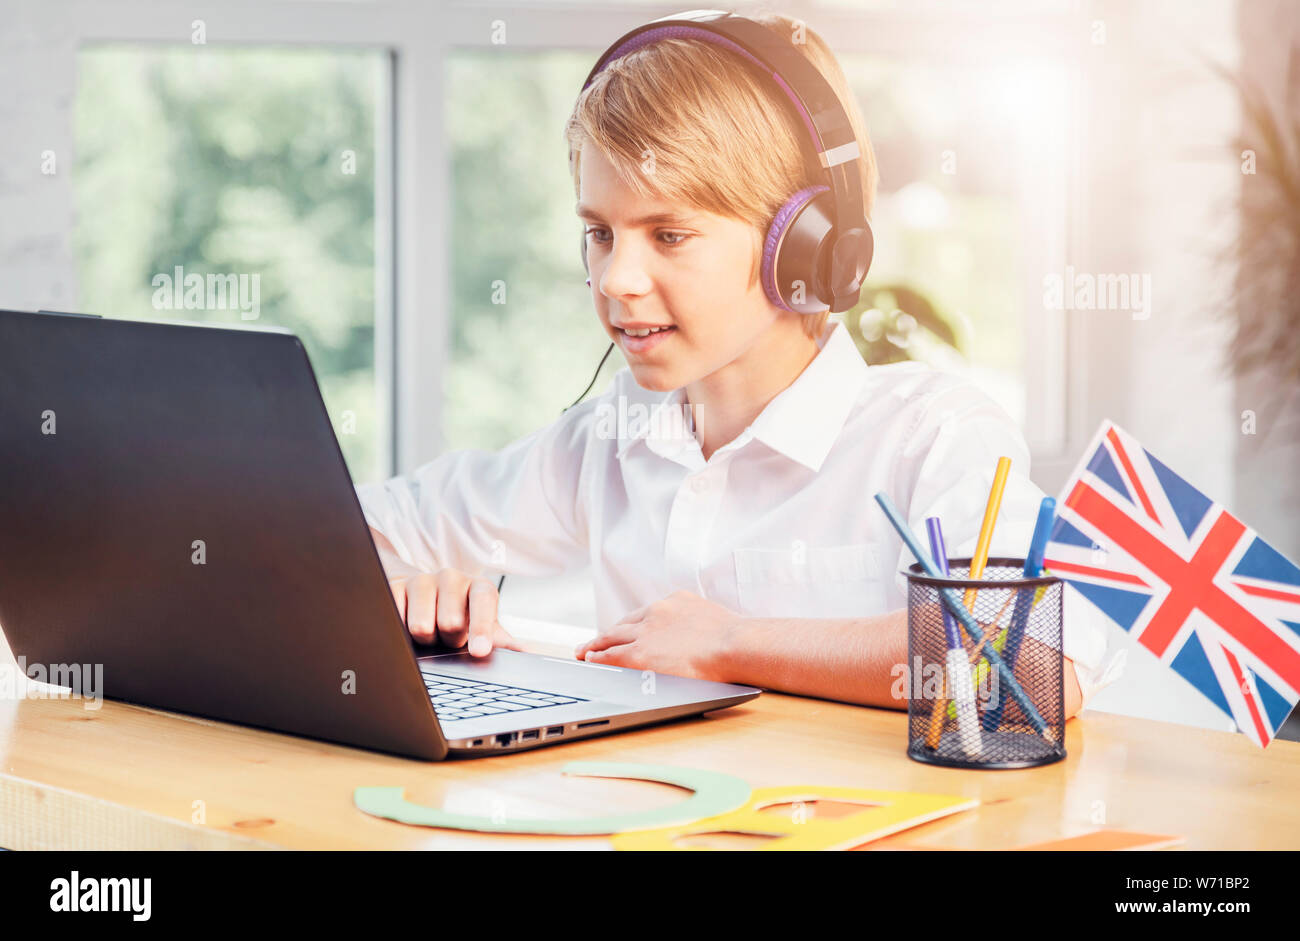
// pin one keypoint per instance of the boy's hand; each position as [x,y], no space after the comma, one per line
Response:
[683,634]
[447,608]
[450,608]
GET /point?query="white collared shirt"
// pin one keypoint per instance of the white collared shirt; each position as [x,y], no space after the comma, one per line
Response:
[780,522]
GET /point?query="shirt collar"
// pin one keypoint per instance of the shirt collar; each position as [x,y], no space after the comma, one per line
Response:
[666,430]
[802,422]
[805,419]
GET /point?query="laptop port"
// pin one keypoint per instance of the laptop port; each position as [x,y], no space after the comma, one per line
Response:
[530,734]
[505,738]
[478,741]
[588,725]
[555,730]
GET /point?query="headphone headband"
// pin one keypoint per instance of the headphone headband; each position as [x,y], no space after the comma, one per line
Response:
[813,99]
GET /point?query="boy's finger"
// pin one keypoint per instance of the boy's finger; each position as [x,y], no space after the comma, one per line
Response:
[503,638]
[452,622]
[618,634]
[482,616]
[398,588]
[624,628]
[621,655]
[421,603]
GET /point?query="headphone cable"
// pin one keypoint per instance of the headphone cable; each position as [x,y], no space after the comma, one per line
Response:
[599,367]
[594,375]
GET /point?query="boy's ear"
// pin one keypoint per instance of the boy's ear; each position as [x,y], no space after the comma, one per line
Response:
[756,257]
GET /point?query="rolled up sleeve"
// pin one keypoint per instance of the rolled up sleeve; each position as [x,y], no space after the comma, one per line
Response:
[516,511]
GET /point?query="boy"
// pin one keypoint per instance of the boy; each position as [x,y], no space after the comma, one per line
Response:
[732,535]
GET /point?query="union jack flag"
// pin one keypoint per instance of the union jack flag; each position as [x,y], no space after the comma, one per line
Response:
[1190,581]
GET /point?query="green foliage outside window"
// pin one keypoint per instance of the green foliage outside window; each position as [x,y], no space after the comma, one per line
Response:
[253,161]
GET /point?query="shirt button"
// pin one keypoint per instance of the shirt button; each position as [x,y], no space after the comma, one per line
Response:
[699,485]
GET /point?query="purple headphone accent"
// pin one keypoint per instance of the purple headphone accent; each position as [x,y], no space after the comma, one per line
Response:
[641,40]
[774,233]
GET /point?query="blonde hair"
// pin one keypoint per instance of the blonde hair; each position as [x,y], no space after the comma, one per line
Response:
[723,138]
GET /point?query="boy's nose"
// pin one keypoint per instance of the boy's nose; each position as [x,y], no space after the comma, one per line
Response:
[625,272]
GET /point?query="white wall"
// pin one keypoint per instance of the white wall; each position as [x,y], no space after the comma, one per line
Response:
[37,80]
[1268,462]
[1157,197]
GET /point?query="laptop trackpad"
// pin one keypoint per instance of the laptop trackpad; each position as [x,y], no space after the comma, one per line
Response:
[553,675]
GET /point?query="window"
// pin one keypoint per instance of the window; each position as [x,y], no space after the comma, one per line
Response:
[237,185]
[524,336]
[968,154]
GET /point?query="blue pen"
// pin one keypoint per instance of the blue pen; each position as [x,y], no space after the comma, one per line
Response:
[958,668]
[1025,597]
[967,620]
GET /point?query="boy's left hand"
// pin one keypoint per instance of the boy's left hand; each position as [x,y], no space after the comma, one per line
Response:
[683,634]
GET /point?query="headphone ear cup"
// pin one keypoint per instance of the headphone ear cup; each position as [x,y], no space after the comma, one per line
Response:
[796,264]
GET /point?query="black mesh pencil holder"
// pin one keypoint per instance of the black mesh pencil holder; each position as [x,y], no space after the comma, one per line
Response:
[1007,716]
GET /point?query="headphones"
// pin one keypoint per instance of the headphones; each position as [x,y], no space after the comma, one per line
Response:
[821,233]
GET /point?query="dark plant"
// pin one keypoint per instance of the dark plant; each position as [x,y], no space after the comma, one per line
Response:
[1267,256]
[885,321]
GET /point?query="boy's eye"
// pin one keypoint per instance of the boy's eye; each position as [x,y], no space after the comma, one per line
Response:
[668,238]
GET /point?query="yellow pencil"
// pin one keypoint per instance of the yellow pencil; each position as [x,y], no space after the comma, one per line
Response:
[986,529]
[933,733]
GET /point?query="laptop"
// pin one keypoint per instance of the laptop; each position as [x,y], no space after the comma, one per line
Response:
[174,506]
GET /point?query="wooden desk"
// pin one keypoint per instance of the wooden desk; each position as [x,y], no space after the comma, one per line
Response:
[125,777]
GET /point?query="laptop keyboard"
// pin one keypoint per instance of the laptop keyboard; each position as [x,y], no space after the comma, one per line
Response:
[455,697]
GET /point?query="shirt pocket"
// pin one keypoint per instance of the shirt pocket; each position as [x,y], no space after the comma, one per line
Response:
[810,581]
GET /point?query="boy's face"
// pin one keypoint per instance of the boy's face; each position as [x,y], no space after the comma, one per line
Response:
[684,269]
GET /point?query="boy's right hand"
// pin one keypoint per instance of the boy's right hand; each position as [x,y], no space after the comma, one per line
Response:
[448,608]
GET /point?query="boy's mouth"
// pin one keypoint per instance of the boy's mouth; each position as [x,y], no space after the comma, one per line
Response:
[640,339]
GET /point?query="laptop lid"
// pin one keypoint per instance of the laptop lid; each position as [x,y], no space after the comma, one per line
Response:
[174,506]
